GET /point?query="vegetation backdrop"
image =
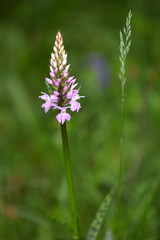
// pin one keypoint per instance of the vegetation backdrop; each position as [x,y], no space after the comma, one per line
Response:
[32,179]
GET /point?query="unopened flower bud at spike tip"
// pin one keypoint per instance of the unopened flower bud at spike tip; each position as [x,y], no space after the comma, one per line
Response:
[64,94]
[59,34]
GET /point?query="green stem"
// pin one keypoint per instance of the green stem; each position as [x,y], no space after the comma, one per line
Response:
[68,170]
[121,155]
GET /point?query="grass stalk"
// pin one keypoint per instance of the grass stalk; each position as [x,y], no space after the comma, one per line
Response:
[125,43]
[120,180]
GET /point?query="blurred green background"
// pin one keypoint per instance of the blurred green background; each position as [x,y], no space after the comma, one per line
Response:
[32,179]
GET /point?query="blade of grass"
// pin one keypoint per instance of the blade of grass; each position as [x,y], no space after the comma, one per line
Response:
[143,222]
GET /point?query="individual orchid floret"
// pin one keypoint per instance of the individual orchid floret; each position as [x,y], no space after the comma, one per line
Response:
[62,116]
[62,92]
[50,101]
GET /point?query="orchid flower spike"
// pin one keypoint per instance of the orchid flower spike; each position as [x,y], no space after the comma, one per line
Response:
[64,95]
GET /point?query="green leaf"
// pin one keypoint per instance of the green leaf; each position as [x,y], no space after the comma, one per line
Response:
[65,225]
[84,205]
[99,217]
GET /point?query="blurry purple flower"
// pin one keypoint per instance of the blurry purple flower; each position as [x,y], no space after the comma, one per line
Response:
[101,68]
[64,95]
